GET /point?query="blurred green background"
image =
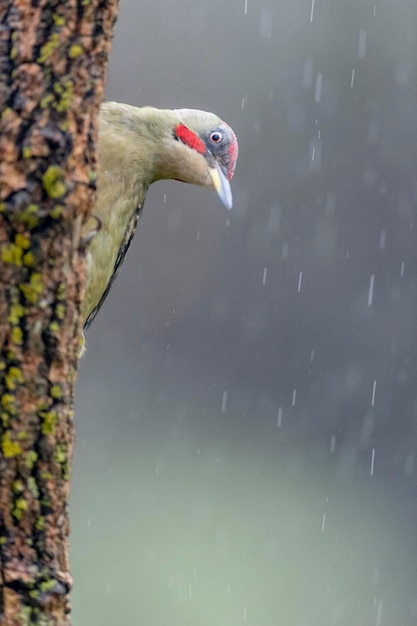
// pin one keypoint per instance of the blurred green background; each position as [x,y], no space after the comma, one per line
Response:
[247,409]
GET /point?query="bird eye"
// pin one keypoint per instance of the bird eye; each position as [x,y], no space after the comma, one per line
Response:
[216,137]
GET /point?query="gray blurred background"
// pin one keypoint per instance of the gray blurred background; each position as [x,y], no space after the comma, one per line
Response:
[247,409]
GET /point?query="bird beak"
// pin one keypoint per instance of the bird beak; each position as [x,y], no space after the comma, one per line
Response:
[221,185]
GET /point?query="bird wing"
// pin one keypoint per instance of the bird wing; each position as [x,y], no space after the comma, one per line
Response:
[127,239]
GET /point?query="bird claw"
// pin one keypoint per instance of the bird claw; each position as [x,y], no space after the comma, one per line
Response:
[83,348]
[85,239]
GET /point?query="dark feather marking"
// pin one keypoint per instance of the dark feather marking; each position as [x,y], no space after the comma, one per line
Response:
[127,239]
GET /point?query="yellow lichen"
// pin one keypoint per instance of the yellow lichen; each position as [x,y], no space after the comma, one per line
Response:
[33,289]
[17,335]
[29,216]
[21,504]
[13,376]
[60,311]
[66,92]
[28,259]
[56,392]
[52,182]
[47,585]
[64,125]
[60,454]
[58,19]
[18,486]
[48,48]
[33,487]
[8,403]
[11,253]
[49,420]
[16,312]
[46,100]
[56,212]
[61,291]
[75,51]
[31,458]
[22,241]
[10,448]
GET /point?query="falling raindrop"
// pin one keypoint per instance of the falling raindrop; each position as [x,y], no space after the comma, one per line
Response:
[312,11]
[315,155]
[352,79]
[317,90]
[373,393]
[294,396]
[371,290]
[264,276]
[224,401]
[382,239]
[300,278]
[279,418]
[372,461]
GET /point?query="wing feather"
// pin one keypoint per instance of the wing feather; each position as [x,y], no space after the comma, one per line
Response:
[127,239]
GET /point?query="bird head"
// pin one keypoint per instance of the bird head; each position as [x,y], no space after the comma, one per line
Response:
[206,151]
[143,145]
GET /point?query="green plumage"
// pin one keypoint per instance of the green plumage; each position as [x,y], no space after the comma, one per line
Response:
[136,147]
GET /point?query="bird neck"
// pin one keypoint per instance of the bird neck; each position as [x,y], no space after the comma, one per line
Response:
[140,137]
[140,146]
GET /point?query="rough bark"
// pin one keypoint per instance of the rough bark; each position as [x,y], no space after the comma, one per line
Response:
[53,59]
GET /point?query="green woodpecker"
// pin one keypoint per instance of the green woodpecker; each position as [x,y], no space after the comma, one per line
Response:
[136,147]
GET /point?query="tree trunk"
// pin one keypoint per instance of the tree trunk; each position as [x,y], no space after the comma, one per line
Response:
[53,60]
